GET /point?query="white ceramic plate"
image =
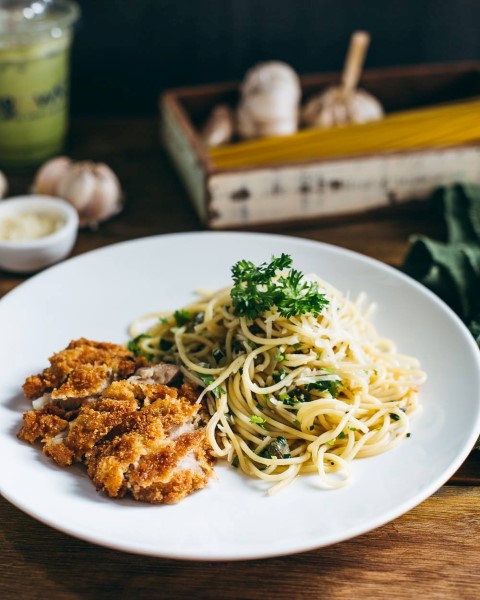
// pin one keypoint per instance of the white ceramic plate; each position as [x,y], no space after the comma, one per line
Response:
[96,295]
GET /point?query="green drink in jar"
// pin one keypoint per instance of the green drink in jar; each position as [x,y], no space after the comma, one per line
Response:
[35,39]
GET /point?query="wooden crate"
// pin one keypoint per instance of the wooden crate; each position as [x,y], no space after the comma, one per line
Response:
[311,191]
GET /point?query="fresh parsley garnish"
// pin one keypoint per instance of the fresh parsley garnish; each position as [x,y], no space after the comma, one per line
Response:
[165,345]
[207,380]
[395,417]
[181,317]
[218,391]
[218,354]
[332,386]
[134,346]
[237,347]
[258,289]
[256,420]
[279,375]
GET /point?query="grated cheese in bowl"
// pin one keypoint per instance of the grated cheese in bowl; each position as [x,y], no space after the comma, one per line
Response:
[26,226]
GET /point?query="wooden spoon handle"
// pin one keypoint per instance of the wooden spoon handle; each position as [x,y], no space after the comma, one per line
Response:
[353,66]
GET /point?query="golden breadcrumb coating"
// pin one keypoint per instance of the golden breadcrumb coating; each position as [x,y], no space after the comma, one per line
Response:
[68,364]
[136,436]
[156,454]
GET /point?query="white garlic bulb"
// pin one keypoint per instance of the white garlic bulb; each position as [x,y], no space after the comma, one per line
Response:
[49,174]
[270,101]
[345,103]
[3,185]
[219,127]
[92,188]
[333,107]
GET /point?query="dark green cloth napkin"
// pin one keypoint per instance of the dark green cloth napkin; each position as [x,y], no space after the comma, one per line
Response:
[451,269]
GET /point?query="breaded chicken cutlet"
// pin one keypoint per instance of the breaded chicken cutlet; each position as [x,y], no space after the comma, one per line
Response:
[137,434]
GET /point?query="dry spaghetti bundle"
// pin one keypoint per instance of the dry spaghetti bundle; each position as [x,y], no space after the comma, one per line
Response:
[439,126]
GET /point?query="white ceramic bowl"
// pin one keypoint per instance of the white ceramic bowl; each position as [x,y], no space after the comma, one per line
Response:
[27,256]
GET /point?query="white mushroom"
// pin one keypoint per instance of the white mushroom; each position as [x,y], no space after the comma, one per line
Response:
[219,127]
[270,96]
[344,104]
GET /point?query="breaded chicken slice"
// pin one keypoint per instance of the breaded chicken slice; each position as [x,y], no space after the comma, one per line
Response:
[84,368]
[138,435]
[94,421]
[158,454]
[77,375]
[97,418]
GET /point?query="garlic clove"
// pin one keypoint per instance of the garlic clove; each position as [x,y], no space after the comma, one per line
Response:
[364,107]
[246,124]
[3,185]
[220,126]
[49,175]
[106,198]
[78,185]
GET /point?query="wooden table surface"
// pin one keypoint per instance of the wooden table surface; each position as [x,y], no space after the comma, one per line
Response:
[430,552]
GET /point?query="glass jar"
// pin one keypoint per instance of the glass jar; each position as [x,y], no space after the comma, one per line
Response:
[35,40]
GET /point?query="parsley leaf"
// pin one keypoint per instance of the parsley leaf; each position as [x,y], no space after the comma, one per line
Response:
[218,391]
[325,385]
[181,317]
[259,289]
[279,375]
[257,420]
[207,380]
[218,354]
[134,346]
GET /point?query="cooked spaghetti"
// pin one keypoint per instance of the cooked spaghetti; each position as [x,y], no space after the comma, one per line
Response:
[295,377]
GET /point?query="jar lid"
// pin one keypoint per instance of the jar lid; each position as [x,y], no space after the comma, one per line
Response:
[22,18]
